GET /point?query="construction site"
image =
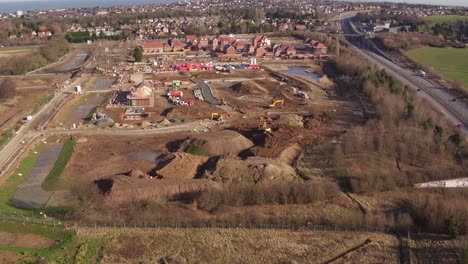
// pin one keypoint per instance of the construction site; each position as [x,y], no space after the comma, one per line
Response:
[199,142]
[246,125]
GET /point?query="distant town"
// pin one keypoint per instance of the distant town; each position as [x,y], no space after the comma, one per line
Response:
[211,131]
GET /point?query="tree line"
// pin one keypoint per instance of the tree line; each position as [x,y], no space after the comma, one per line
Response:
[49,52]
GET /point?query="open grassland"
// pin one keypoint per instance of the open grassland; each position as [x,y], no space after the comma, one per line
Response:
[9,187]
[28,243]
[225,246]
[25,243]
[51,181]
[444,18]
[449,62]
[7,52]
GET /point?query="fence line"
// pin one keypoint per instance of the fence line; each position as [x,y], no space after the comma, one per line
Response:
[31,218]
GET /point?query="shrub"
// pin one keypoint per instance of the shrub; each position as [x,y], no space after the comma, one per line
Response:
[7,89]
[240,194]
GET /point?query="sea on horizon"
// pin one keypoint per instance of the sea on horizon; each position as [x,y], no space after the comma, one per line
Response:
[13,6]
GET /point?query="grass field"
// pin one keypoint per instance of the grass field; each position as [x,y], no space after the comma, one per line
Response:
[32,255]
[52,180]
[449,62]
[5,137]
[7,52]
[444,18]
[8,188]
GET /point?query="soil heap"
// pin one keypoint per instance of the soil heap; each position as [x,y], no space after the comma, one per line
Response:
[179,165]
[247,87]
[121,188]
[253,169]
[220,143]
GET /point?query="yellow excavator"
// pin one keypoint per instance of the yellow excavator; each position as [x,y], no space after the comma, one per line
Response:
[216,117]
[277,103]
[262,124]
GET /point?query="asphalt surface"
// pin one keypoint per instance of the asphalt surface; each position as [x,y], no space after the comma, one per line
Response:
[440,98]
[207,93]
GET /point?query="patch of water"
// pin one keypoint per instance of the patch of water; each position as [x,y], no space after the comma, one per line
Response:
[79,58]
[82,111]
[102,84]
[302,71]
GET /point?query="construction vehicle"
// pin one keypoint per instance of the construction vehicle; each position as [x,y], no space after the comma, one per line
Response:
[262,125]
[277,103]
[223,102]
[216,117]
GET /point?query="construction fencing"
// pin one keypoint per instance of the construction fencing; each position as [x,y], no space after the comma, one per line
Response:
[43,220]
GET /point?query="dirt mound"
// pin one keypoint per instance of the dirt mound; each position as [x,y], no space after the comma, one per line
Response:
[253,169]
[220,143]
[120,188]
[136,173]
[247,87]
[290,154]
[273,144]
[291,120]
[180,166]
[181,112]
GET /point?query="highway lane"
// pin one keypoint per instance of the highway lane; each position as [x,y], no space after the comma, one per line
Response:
[440,98]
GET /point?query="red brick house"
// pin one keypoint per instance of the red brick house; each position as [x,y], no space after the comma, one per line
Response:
[215,43]
[177,45]
[167,47]
[141,95]
[229,50]
[286,50]
[260,52]
[189,39]
[240,45]
[153,46]
[249,48]
[203,42]
[261,41]
[319,48]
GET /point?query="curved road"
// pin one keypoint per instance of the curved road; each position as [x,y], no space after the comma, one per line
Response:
[440,98]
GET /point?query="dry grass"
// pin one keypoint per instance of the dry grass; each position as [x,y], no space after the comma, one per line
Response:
[234,246]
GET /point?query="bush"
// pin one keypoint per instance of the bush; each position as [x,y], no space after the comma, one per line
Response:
[7,89]
[138,54]
[241,194]
[453,227]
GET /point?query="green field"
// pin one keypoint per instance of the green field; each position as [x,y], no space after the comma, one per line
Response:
[19,48]
[444,18]
[449,62]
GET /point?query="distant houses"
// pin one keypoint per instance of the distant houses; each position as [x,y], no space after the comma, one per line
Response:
[227,46]
[314,46]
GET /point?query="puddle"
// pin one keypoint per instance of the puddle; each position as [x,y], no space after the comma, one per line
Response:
[102,84]
[149,156]
[302,71]
[79,58]
[80,113]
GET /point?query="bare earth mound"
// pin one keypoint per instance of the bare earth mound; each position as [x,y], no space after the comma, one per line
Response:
[180,166]
[220,143]
[121,188]
[247,87]
[253,169]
